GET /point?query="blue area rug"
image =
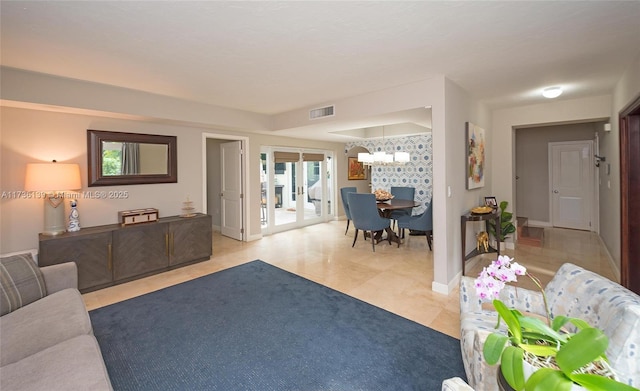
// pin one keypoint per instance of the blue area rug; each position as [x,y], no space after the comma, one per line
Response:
[257,327]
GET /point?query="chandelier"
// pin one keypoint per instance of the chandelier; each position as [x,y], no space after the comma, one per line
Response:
[382,158]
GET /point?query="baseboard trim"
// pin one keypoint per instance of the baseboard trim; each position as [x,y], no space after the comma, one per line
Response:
[248,238]
[251,238]
[536,223]
[446,289]
[615,267]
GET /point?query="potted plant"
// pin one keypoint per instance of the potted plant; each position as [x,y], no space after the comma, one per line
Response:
[542,354]
[506,226]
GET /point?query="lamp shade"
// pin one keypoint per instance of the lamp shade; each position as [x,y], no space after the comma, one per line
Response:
[52,177]
[379,156]
[365,157]
[402,157]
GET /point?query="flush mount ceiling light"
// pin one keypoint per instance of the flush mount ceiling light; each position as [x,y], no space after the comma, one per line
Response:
[552,92]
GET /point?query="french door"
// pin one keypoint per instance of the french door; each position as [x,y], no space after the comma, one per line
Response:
[296,187]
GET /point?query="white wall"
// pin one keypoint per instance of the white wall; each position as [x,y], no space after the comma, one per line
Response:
[449,147]
[34,135]
[82,105]
[30,136]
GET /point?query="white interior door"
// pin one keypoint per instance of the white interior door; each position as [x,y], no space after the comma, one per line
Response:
[231,190]
[571,184]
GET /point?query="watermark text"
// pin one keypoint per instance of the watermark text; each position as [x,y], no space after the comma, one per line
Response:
[77,195]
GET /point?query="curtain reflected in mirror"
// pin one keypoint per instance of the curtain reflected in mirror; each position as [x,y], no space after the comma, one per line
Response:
[130,158]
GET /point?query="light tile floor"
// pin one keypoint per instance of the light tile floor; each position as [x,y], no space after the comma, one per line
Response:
[396,279]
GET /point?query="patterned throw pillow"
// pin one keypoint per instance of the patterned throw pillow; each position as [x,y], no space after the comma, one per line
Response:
[21,282]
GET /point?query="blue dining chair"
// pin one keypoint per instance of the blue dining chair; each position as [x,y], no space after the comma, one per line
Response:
[401,193]
[365,216]
[345,203]
[422,222]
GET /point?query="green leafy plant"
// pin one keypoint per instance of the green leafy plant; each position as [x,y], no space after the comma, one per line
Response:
[506,226]
[562,357]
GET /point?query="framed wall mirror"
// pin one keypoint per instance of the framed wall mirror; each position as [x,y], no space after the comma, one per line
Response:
[116,158]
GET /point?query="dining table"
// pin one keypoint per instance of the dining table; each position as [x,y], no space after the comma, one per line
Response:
[385,207]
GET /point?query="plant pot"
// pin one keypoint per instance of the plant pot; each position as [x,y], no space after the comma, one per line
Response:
[502,382]
[528,371]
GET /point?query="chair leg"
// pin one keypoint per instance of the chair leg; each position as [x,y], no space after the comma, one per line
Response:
[429,234]
[355,237]
[346,230]
[373,243]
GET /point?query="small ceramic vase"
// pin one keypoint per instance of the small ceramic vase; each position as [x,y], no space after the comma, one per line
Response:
[74,221]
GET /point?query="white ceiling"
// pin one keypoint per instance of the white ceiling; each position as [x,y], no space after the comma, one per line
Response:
[273,57]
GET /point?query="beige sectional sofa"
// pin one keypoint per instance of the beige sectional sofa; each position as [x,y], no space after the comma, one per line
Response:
[46,338]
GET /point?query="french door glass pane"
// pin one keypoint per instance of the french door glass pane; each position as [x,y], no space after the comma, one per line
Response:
[312,182]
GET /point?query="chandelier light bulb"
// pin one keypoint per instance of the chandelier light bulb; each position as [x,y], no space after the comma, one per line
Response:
[402,157]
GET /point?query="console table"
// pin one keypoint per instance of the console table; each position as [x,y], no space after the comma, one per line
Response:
[112,254]
[469,216]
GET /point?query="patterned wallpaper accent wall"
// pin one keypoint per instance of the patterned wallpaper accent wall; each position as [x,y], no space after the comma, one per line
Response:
[417,173]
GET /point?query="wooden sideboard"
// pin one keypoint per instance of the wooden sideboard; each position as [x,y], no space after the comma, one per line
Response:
[112,254]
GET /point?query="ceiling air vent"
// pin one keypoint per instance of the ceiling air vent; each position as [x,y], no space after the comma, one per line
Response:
[321,112]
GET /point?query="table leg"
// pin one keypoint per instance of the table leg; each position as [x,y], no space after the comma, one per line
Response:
[392,236]
[463,236]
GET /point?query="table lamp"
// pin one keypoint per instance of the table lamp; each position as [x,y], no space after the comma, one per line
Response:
[52,178]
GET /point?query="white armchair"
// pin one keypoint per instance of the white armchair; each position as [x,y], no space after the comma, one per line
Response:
[455,384]
[477,323]
[574,292]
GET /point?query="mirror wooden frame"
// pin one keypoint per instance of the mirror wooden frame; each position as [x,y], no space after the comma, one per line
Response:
[94,156]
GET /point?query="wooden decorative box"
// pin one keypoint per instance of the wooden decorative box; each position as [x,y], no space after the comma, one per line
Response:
[137,216]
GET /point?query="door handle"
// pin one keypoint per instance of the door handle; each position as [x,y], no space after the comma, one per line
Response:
[556,191]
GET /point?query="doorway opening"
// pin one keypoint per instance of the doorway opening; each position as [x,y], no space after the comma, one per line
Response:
[630,196]
[224,178]
[534,192]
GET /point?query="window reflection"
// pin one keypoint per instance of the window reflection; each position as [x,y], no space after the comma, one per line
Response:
[124,158]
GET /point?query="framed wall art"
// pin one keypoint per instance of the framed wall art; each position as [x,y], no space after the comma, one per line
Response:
[475,156]
[491,201]
[355,169]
